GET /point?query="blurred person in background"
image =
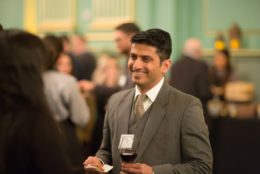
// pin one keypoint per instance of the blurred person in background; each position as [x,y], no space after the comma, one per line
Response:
[221,72]
[108,71]
[64,64]
[189,73]
[84,133]
[123,34]
[68,105]
[66,43]
[84,61]
[30,138]
[105,83]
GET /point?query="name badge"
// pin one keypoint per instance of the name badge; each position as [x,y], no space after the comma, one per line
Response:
[126,141]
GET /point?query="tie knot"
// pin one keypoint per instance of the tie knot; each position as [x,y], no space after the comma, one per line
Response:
[140,98]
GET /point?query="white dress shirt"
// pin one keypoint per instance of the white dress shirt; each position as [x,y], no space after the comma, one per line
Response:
[151,94]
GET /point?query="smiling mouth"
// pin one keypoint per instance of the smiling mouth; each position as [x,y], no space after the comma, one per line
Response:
[138,73]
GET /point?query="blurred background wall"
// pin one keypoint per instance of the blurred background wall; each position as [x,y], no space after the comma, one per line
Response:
[182,18]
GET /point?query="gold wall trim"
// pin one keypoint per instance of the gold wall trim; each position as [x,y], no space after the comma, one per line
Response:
[29,19]
[100,36]
[107,14]
[56,16]
[54,26]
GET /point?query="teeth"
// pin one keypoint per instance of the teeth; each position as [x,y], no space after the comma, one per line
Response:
[139,73]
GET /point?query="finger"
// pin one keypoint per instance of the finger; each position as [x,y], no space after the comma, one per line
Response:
[93,161]
[99,166]
[132,165]
[132,170]
[87,161]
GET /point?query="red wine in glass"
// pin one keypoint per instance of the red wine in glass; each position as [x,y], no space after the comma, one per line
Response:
[128,156]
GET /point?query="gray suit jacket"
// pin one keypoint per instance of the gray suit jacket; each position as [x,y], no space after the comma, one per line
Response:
[175,139]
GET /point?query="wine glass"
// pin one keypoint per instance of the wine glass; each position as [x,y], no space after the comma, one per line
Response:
[128,149]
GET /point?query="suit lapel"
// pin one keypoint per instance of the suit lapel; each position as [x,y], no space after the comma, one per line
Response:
[156,116]
[124,112]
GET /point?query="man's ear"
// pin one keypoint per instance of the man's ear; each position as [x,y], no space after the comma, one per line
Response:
[166,65]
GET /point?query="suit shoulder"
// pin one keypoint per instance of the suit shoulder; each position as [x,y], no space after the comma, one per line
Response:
[182,97]
[119,96]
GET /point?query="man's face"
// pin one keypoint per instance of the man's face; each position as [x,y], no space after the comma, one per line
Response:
[145,66]
[123,42]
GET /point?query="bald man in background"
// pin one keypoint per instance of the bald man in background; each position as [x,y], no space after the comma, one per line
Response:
[190,74]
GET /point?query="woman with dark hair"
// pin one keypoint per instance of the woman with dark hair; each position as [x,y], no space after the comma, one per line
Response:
[30,138]
[66,102]
[221,72]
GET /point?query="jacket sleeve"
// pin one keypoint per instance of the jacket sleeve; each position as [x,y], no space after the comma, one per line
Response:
[195,146]
[104,152]
[77,106]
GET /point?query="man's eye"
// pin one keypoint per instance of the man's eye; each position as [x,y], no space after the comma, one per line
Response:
[132,57]
[146,59]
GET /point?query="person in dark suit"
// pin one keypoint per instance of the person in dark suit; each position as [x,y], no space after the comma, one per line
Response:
[190,74]
[83,60]
[30,139]
[168,125]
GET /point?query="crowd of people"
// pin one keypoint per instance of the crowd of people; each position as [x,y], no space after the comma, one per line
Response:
[55,110]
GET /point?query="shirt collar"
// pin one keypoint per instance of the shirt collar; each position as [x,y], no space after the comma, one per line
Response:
[152,93]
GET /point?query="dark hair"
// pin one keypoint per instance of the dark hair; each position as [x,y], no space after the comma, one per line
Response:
[64,38]
[214,78]
[157,38]
[22,56]
[128,28]
[226,53]
[1,28]
[21,85]
[55,48]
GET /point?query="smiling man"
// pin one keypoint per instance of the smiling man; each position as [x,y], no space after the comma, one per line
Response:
[168,125]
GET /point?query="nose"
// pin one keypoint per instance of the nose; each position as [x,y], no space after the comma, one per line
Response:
[137,64]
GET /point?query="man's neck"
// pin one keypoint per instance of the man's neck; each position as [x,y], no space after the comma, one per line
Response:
[152,92]
[144,90]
